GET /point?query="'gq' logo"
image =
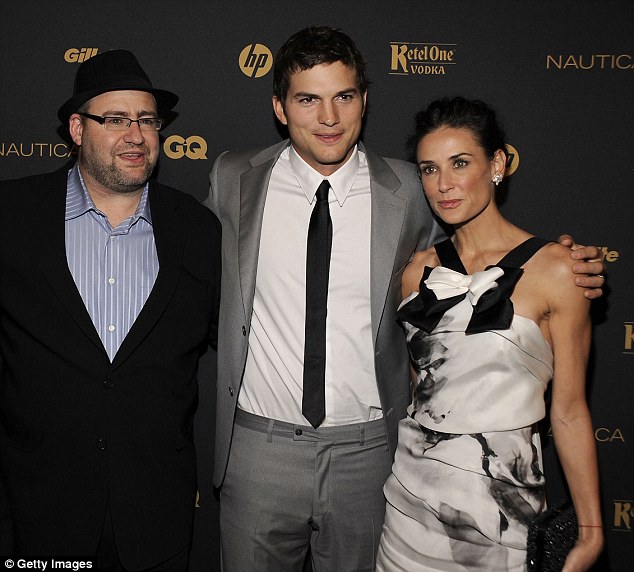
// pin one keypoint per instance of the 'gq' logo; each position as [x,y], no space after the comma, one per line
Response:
[255,60]
[194,147]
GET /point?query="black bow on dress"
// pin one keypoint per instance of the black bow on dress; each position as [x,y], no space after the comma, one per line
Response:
[493,309]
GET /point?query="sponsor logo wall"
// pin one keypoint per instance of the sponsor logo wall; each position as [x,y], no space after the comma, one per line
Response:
[421,58]
[560,74]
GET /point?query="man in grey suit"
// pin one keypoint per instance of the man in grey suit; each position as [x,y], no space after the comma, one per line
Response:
[289,484]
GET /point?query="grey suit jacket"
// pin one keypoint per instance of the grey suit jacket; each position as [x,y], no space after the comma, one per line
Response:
[401,223]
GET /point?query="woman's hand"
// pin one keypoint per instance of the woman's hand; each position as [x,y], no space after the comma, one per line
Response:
[586,550]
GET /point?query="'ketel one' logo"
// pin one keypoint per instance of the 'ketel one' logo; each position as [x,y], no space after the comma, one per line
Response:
[74,55]
[623,515]
[628,346]
[255,60]
[421,58]
[177,147]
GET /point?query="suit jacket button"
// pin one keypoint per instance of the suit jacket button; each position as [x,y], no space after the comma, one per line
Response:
[107,384]
[101,444]
[231,392]
[244,331]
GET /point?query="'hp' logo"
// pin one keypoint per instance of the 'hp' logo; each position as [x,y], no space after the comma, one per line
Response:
[255,60]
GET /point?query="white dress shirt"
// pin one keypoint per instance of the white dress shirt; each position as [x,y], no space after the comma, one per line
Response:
[273,378]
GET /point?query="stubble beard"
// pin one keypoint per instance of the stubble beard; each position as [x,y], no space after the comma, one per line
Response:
[114,178]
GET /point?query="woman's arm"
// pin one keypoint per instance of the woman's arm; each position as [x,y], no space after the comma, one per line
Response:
[570,330]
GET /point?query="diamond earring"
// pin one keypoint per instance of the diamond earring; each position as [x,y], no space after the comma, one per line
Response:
[497,179]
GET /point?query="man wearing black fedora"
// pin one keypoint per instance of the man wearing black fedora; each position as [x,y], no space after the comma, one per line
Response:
[109,291]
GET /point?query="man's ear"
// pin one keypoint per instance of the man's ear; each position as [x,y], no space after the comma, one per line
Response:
[278,108]
[76,128]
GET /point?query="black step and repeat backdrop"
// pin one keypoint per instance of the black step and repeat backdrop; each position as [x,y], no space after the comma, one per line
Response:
[560,74]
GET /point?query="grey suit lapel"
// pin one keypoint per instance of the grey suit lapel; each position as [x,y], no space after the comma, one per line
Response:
[253,186]
[388,212]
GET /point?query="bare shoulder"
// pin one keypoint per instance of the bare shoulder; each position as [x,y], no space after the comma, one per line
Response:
[414,270]
[426,257]
[553,259]
[551,267]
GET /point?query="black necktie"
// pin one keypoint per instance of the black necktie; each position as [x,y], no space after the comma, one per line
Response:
[317,270]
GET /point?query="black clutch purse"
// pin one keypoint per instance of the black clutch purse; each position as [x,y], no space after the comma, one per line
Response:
[551,537]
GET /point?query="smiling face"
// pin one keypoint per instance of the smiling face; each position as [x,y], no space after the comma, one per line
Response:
[457,174]
[324,113]
[116,161]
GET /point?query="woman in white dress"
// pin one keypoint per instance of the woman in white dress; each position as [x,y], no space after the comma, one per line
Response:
[489,315]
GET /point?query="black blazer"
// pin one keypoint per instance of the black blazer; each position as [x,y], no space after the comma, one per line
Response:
[76,429]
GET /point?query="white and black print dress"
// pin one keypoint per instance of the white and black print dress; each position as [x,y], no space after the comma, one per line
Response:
[467,477]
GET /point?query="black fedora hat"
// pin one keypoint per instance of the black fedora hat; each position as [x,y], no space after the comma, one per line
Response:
[114,70]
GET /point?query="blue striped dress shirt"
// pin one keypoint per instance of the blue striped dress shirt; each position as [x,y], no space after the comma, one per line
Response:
[114,268]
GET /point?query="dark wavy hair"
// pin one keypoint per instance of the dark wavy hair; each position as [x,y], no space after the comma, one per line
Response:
[459,112]
[311,47]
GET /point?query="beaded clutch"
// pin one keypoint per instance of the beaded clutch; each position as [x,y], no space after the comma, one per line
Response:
[551,536]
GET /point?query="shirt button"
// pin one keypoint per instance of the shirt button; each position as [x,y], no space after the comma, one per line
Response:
[298,432]
[107,384]
[111,328]
[111,280]
[101,444]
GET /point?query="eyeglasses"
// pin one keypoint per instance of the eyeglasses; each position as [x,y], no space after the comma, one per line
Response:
[123,123]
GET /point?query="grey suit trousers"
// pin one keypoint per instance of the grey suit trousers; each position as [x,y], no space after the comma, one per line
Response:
[290,487]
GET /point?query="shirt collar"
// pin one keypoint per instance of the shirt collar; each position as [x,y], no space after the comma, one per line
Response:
[341,180]
[79,201]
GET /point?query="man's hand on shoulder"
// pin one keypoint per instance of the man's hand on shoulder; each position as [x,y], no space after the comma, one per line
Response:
[588,267]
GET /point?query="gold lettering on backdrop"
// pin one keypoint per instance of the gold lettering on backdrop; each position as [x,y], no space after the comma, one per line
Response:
[421,58]
[74,55]
[12,149]
[629,335]
[255,60]
[623,513]
[604,435]
[590,61]
[177,147]
[398,57]
[601,434]
[38,150]
[609,255]
[512,161]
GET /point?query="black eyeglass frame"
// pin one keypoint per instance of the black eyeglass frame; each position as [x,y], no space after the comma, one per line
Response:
[102,121]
